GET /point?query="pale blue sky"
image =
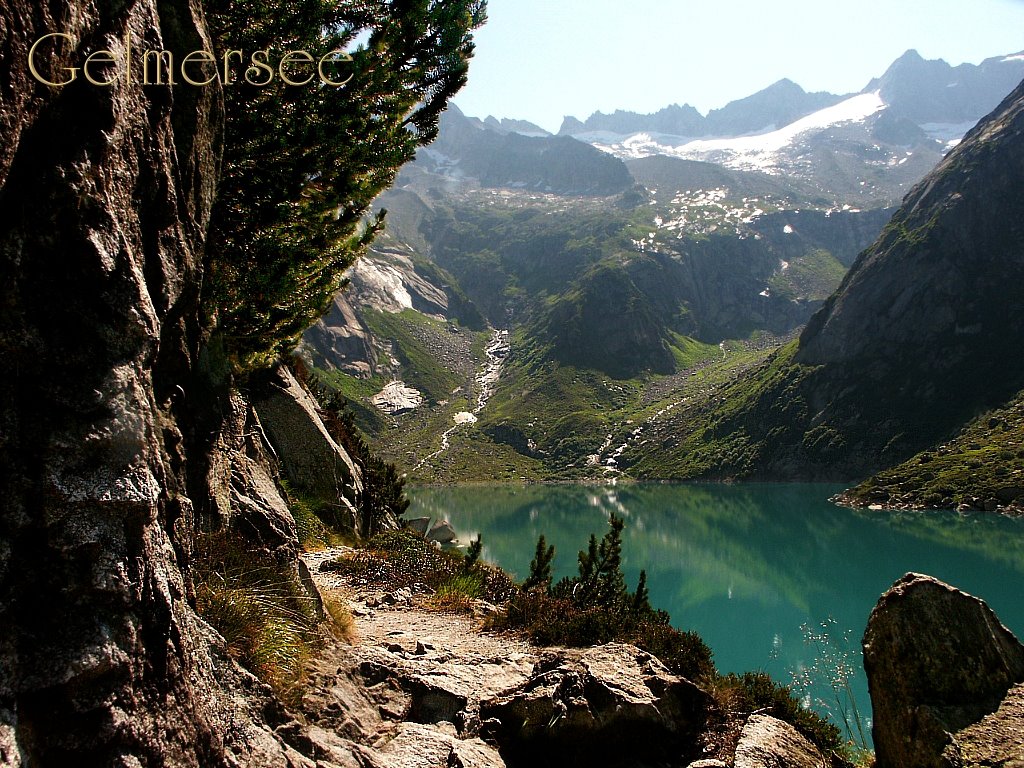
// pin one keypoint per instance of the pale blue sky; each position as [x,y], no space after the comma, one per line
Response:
[542,59]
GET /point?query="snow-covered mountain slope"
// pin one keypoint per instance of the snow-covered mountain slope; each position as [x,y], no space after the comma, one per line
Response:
[903,121]
[758,152]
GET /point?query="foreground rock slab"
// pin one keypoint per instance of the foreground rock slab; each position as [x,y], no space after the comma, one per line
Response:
[939,666]
[767,742]
[613,704]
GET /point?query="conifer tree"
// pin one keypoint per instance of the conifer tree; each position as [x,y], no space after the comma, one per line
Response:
[588,563]
[642,598]
[302,164]
[476,548]
[540,567]
[601,581]
[611,584]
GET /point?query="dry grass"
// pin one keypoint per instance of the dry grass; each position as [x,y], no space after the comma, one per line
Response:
[340,622]
[267,621]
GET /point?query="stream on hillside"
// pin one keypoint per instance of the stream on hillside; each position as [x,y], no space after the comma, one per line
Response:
[750,567]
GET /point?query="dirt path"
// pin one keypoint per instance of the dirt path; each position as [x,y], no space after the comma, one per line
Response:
[405,691]
[383,618]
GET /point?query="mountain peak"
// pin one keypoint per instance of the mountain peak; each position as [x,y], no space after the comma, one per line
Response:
[784,85]
[910,54]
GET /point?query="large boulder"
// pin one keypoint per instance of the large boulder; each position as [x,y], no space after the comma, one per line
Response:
[938,661]
[613,704]
[419,746]
[311,458]
[242,476]
[767,742]
[997,739]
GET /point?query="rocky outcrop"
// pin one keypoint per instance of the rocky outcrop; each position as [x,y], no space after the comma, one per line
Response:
[340,340]
[397,397]
[612,703]
[243,480]
[120,437]
[995,740]
[939,666]
[767,742]
[312,460]
[105,193]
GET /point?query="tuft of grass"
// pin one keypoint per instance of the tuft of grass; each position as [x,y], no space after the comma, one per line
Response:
[268,623]
[340,622]
[458,593]
[313,534]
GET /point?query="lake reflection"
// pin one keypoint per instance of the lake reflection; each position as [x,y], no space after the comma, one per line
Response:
[746,565]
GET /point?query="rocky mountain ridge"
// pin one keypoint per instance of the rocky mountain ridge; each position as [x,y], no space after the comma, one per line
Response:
[777,105]
[927,92]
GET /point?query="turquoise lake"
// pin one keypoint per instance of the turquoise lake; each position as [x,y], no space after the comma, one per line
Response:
[747,565]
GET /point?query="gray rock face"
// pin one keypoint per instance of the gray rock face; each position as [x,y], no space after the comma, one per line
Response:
[416,746]
[106,422]
[937,661]
[312,459]
[104,197]
[340,340]
[613,703]
[242,476]
[767,742]
[995,740]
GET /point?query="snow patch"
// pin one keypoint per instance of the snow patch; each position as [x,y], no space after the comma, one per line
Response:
[397,397]
[948,133]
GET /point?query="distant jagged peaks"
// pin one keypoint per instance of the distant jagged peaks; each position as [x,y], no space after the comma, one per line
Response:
[779,104]
[919,89]
[675,119]
[928,91]
[507,125]
[570,126]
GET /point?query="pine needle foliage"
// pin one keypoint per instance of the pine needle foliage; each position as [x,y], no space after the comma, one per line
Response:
[302,164]
[540,567]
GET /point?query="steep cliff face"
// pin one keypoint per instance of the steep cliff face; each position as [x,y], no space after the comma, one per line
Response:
[105,193]
[924,324]
[918,340]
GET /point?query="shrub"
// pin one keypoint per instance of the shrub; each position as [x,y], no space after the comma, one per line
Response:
[596,607]
[756,691]
[402,558]
[458,593]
